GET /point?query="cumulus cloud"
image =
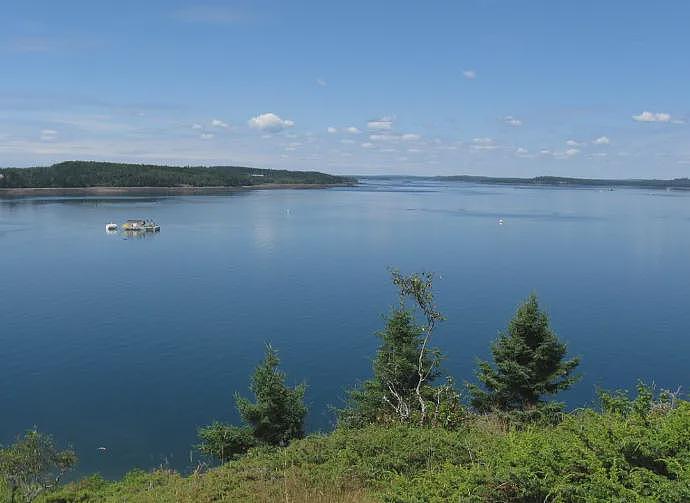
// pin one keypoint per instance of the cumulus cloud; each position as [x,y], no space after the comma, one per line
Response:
[48,134]
[410,137]
[566,154]
[367,144]
[521,151]
[652,117]
[352,130]
[383,137]
[270,122]
[469,74]
[207,136]
[347,141]
[196,126]
[602,140]
[483,144]
[512,121]
[332,130]
[573,143]
[218,123]
[382,124]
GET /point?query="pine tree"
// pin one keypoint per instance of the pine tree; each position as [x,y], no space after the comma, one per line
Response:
[528,366]
[275,418]
[389,394]
[406,366]
[278,414]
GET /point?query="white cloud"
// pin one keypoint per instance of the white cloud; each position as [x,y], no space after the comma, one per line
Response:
[347,141]
[321,82]
[367,144]
[218,123]
[652,117]
[196,126]
[544,151]
[383,137]
[573,143]
[414,150]
[48,134]
[482,141]
[571,152]
[332,130]
[382,124]
[512,121]
[270,122]
[410,137]
[469,74]
[602,140]
[207,136]
[521,151]
[484,144]
[352,130]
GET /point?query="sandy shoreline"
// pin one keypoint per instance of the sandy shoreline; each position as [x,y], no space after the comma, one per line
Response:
[107,191]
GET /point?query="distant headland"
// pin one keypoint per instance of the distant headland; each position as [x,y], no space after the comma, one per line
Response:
[552,181]
[107,177]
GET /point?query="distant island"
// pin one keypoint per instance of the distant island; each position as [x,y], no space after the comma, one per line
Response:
[551,181]
[109,175]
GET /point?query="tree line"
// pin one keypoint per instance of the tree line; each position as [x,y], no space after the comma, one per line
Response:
[75,174]
[407,386]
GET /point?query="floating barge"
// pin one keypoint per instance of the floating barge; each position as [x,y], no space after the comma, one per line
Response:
[141,225]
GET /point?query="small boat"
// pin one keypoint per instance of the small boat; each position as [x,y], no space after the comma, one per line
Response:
[110,226]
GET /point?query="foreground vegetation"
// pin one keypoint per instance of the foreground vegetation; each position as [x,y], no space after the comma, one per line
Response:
[74,174]
[407,434]
[634,451]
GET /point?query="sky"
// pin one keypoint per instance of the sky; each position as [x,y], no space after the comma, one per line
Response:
[483,87]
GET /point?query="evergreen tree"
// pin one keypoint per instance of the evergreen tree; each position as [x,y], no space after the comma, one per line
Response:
[278,414]
[275,418]
[405,366]
[388,394]
[528,365]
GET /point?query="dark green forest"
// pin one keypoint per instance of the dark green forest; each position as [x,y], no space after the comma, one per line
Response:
[74,174]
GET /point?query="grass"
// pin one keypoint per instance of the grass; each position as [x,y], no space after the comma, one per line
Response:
[589,456]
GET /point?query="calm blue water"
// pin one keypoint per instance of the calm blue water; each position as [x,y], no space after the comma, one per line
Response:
[132,344]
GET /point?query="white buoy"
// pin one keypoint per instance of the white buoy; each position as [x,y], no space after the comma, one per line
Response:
[500,221]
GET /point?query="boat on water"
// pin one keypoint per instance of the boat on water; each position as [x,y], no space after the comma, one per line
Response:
[141,225]
[110,227]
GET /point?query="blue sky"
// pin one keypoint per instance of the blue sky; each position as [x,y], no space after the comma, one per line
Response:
[486,87]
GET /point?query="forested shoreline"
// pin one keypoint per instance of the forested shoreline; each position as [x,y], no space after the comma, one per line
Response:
[552,181]
[83,174]
[412,433]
